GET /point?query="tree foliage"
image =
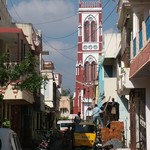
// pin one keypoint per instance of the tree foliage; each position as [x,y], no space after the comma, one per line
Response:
[24,74]
[66,92]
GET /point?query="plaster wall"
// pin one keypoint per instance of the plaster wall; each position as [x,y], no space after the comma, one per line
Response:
[110,88]
[111,44]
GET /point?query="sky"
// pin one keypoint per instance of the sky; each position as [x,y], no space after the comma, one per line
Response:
[58,21]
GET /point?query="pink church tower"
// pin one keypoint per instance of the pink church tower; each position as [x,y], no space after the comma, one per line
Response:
[89,50]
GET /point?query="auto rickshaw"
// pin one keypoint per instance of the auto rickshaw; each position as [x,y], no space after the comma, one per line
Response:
[84,136]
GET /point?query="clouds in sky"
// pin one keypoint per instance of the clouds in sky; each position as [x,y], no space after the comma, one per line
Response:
[56,19]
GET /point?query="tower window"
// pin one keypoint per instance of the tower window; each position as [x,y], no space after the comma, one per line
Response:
[93,71]
[90,71]
[86,31]
[90,31]
[93,31]
[87,71]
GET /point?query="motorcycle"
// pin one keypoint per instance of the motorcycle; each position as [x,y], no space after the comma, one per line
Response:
[98,143]
[43,145]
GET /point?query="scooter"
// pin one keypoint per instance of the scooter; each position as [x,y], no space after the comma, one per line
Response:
[43,145]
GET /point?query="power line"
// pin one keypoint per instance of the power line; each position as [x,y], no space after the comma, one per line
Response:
[57,20]
[69,48]
[69,34]
[16,12]
[109,14]
[58,51]
[106,4]
[90,34]
[62,36]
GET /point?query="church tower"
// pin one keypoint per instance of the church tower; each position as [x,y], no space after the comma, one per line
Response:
[89,50]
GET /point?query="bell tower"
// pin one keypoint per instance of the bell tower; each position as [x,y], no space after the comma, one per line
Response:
[89,49]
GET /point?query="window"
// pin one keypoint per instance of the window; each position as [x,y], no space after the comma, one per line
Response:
[93,71]
[86,31]
[108,71]
[87,71]
[90,30]
[90,71]
[93,31]
[63,110]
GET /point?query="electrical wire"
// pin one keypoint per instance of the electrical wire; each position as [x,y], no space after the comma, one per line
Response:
[109,14]
[16,12]
[106,4]
[62,36]
[57,20]
[58,51]
[89,35]
[71,33]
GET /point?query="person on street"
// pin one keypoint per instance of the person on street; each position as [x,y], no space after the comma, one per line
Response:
[96,115]
[114,110]
[77,118]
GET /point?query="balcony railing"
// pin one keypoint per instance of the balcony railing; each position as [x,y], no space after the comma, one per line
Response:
[10,65]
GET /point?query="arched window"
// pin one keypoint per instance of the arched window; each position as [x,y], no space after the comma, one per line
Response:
[87,71]
[93,31]
[86,31]
[93,71]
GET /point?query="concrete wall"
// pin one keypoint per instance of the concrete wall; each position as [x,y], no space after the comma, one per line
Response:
[111,44]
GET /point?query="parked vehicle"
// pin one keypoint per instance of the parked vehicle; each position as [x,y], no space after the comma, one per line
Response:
[9,140]
[84,136]
[63,125]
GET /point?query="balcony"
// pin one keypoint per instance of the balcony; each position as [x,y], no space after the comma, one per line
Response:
[17,96]
[14,42]
[122,6]
[140,48]
[124,84]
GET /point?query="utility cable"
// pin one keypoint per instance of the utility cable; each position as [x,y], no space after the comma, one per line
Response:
[57,20]
[62,36]
[16,12]
[73,32]
[110,14]
[89,35]
[58,51]
[106,4]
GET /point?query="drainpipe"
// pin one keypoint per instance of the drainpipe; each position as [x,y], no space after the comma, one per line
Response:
[100,81]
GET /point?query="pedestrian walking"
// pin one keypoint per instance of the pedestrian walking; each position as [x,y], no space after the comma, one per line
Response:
[96,115]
